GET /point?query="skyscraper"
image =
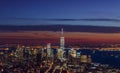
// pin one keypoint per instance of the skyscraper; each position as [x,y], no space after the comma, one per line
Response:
[49,50]
[62,40]
[60,51]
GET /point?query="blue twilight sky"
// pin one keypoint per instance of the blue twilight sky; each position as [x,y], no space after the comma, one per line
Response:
[74,12]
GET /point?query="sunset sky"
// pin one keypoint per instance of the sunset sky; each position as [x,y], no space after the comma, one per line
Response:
[74,12]
[50,36]
[95,17]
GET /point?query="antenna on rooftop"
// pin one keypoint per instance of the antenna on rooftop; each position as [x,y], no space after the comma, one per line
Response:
[62,31]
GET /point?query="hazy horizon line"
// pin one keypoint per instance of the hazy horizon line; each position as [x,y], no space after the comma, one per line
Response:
[64,19]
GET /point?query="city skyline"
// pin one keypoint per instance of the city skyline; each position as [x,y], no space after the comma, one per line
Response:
[32,39]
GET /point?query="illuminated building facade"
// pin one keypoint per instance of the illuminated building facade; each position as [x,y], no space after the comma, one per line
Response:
[62,40]
[49,50]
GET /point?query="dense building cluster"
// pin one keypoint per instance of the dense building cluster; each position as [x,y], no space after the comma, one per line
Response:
[47,60]
[26,59]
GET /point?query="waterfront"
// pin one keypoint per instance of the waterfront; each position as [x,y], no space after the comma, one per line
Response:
[20,58]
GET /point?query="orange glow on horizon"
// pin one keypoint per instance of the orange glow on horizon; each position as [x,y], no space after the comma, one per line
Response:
[49,36]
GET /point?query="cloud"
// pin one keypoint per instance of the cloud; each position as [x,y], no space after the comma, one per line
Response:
[91,19]
[68,28]
[62,19]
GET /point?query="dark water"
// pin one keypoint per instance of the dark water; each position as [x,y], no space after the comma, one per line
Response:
[112,58]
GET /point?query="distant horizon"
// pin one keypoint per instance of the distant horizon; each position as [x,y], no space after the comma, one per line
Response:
[44,24]
[62,21]
[67,28]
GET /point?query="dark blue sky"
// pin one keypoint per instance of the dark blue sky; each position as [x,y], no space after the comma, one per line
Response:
[84,12]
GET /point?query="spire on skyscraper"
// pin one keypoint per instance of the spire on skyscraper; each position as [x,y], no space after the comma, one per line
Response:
[62,31]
